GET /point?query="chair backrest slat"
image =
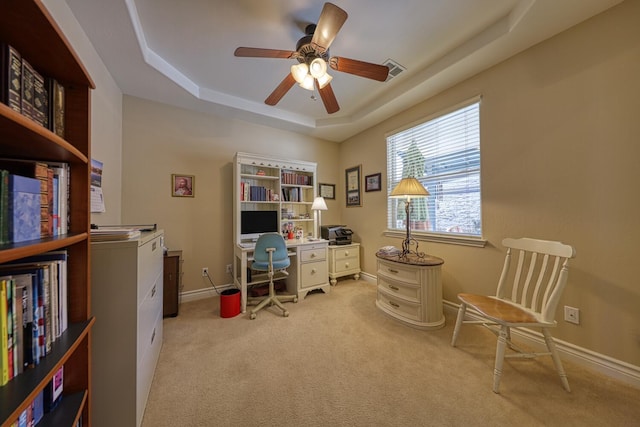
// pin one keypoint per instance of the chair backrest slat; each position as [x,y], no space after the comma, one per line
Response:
[525,286]
[537,288]
[541,274]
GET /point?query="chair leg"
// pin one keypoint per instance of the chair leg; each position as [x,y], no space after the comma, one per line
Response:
[500,349]
[551,345]
[461,313]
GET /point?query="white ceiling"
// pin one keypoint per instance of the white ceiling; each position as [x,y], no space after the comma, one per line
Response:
[180,52]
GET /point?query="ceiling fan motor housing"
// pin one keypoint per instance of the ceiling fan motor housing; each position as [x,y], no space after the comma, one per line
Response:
[306,51]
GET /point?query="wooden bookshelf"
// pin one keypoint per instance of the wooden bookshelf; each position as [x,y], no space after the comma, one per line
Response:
[28,26]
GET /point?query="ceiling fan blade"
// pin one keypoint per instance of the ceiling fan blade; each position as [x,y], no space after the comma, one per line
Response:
[328,98]
[256,52]
[330,22]
[359,68]
[281,90]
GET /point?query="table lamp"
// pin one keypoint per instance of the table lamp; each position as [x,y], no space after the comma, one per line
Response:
[409,188]
[318,205]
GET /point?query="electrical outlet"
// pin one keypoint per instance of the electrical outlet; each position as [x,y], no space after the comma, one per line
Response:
[572,314]
[229,270]
[205,271]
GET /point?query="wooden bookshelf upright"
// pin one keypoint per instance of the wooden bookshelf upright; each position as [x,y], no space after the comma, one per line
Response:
[29,28]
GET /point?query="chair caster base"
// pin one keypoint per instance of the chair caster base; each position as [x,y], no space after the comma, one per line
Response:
[285,314]
[253,316]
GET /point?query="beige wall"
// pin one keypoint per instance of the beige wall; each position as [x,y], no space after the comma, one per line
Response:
[560,147]
[106,118]
[160,140]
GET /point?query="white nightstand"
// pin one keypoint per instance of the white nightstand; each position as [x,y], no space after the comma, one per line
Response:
[344,260]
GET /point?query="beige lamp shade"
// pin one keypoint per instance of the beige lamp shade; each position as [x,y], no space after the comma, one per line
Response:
[409,188]
[319,204]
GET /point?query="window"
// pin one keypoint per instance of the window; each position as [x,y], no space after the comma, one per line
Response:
[443,153]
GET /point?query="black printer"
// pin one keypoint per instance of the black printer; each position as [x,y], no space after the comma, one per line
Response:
[336,234]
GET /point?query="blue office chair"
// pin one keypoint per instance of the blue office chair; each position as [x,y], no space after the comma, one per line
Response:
[270,255]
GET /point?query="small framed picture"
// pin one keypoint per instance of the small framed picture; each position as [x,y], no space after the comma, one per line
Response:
[328,191]
[182,185]
[352,183]
[372,182]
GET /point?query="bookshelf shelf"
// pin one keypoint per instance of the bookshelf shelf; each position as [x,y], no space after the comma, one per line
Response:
[28,27]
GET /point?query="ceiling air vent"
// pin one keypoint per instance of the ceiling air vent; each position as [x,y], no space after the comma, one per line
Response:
[394,68]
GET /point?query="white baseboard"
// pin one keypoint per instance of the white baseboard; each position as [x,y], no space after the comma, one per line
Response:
[613,368]
[203,293]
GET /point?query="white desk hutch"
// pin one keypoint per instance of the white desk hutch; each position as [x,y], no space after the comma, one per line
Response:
[286,187]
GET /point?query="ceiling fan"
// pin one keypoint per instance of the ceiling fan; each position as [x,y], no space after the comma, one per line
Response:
[312,53]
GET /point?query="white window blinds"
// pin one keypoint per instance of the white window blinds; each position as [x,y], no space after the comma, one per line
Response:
[443,153]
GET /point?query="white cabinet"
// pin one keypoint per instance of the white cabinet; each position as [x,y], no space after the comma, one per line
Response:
[410,290]
[126,298]
[344,260]
[312,260]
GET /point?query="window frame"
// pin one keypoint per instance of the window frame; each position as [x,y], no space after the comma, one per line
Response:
[431,236]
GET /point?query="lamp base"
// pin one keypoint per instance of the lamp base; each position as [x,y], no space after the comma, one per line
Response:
[406,249]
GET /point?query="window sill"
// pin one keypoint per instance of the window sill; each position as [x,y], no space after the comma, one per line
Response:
[439,238]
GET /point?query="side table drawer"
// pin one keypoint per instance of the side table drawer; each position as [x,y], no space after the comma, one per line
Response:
[346,264]
[346,253]
[400,272]
[401,290]
[399,306]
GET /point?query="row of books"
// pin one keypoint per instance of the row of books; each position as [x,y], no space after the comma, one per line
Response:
[34,200]
[44,402]
[28,92]
[293,178]
[293,194]
[255,193]
[33,310]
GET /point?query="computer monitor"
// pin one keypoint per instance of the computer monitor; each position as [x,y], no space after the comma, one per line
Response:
[255,223]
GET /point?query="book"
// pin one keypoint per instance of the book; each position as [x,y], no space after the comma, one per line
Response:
[37,407]
[18,343]
[27,89]
[10,334]
[53,390]
[56,102]
[10,77]
[4,206]
[40,101]
[46,173]
[4,355]
[24,208]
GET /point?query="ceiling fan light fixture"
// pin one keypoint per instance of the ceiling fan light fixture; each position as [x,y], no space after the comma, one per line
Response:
[299,72]
[318,68]
[324,80]
[307,83]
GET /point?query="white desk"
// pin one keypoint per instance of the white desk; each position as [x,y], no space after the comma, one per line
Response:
[308,270]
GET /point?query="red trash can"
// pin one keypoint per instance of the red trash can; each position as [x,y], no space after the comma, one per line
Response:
[230,303]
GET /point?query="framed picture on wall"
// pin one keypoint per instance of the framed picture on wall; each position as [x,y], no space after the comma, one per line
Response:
[182,185]
[328,191]
[352,184]
[372,182]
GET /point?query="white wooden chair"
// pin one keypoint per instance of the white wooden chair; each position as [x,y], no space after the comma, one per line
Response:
[527,296]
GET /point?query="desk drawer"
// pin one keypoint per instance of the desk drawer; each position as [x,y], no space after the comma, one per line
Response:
[346,253]
[313,274]
[313,253]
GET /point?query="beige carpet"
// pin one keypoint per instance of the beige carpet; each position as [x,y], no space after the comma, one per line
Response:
[339,361]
